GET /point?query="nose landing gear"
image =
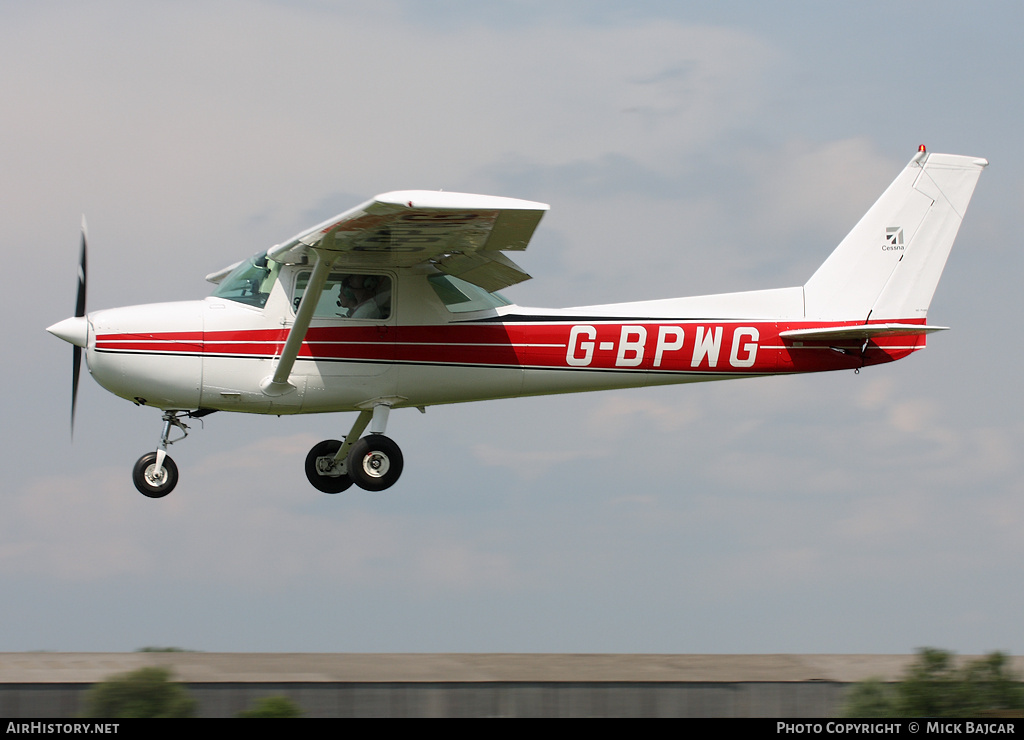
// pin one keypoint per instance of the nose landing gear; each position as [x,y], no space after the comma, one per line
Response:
[155,474]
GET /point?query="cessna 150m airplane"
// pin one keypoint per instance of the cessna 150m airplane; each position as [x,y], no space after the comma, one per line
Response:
[392,304]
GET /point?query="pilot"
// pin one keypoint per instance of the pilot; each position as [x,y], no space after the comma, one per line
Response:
[346,299]
[367,296]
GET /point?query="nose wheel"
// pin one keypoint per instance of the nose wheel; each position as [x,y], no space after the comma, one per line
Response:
[153,478]
[155,474]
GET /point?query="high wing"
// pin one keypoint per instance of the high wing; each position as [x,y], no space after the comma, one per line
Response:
[460,233]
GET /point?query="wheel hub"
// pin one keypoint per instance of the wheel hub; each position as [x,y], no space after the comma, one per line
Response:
[376,464]
[155,476]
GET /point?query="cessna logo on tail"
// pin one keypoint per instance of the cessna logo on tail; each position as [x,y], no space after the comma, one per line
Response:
[893,239]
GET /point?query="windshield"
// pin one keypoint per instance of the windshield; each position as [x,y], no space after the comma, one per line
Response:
[250,282]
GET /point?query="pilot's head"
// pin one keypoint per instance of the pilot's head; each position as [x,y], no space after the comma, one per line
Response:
[362,286]
[346,298]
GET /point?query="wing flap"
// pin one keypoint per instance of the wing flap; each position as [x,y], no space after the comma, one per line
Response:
[491,271]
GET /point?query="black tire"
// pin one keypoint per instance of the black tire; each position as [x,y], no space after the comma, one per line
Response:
[149,486]
[375,462]
[325,483]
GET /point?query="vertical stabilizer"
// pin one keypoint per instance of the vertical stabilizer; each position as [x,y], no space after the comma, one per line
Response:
[888,266]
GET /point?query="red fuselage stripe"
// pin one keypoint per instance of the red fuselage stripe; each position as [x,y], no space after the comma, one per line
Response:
[662,346]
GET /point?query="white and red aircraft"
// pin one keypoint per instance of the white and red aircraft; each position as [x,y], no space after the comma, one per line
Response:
[392,304]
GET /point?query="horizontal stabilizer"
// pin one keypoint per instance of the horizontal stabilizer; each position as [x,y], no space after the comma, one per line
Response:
[861,331]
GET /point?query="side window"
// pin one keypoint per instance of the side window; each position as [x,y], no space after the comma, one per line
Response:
[460,296]
[348,295]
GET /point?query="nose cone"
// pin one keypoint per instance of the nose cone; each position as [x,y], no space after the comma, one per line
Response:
[74,330]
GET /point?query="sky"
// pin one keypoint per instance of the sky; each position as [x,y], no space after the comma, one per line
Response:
[685,148]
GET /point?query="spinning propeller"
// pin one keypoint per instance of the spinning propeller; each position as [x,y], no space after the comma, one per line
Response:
[76,329]
[76,358]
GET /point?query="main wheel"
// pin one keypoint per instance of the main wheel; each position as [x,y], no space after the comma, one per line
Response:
[322,471]
[375,462]
[153,482]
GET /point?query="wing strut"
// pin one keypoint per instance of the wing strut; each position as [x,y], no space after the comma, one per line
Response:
[277,384]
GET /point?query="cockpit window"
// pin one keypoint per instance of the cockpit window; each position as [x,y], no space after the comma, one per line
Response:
[348,295]
[461,297]
[250,282]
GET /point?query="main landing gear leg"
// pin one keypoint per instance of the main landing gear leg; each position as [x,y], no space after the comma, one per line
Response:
[373,463]
[155,474]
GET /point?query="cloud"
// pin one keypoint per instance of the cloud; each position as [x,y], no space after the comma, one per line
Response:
[65,527]
[616,414]
[822,187]
[530,465]
[232,520]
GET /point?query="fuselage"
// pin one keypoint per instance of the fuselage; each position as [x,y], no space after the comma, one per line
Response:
[393,304]
[432,348]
